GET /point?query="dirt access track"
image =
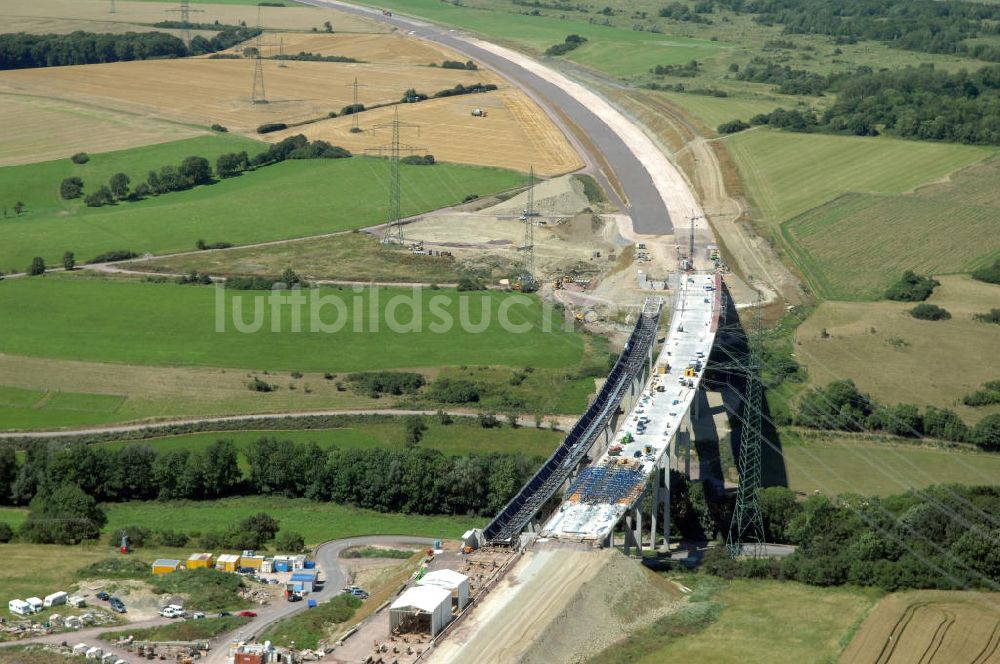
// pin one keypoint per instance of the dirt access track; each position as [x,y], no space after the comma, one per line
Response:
[559,603]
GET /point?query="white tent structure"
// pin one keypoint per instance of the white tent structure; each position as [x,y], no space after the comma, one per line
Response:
[455,583]
[425,609]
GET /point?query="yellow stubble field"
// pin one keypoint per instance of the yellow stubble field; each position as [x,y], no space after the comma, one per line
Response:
[203,92]
[93,16]
[514,134]
[931,627]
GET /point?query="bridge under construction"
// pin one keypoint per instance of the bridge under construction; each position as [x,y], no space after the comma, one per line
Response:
[640,415]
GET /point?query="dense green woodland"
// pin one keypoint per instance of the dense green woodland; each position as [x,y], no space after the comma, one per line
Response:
[411,480]
[915,102]
[22,51]
[942,537]
[917,25]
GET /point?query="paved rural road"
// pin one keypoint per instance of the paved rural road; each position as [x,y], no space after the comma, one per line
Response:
[563,422]
[644,202]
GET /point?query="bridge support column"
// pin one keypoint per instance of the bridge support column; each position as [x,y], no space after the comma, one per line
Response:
[661,499]
[632,518]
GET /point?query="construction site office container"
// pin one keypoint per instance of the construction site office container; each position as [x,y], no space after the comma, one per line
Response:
[227,562]
[201,561]
[55,599]
[165,566]
[35,603]
[267,566]
[253,562]
[306,579]
[298,562]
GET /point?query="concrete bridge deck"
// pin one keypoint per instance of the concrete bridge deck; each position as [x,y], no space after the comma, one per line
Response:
[603,493]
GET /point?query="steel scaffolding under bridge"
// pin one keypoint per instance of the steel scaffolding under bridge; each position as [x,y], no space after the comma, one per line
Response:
[517,514]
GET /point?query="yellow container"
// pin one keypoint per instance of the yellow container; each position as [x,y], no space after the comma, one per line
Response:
[165,566]
[201,561]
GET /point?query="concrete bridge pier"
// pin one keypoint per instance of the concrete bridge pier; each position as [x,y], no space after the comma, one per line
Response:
[661,498]
[633,528]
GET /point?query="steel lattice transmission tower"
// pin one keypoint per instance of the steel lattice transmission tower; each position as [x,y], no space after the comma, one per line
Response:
[528,216]
[185,11]
[394,218]
[355,129]
[746,531]
[258,96]
[111,10]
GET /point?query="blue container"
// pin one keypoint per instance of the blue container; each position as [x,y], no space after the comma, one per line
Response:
[281,566]
[437,545]
[310,564]
[311,603]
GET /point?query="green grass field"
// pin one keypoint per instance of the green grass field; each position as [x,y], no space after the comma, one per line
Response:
[239,210]
[459,438]
[850,248]
[771,622]
[832,465]
[788,173]
[350,256]
[168,324]
[619,51]
[26,409]
[317,522]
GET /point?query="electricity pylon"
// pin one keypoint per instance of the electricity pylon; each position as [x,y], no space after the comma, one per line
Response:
[394,226]
[185,12]
[746,531]
[528,216]
[355,129]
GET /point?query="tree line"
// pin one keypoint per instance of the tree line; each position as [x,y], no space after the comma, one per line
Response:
[941,537]
[915,102]
[22,50]
[841,406]
[916,25]
[196,170]
[410,480]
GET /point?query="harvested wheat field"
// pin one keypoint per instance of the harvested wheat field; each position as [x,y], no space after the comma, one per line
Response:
[394,48]
[515,133]
[203,91]
[54,129]
[16,15]
[930,627]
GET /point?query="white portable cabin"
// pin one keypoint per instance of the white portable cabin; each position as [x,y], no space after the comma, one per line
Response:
[95,653]
[55,599]
[80,649]
[455,583]
[298,562]
[77,601]
[36,604]
[19,606]
[422,609]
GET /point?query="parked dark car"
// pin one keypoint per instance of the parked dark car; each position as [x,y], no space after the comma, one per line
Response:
[295,598]
[117,605]
[223,614]
[103,596]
